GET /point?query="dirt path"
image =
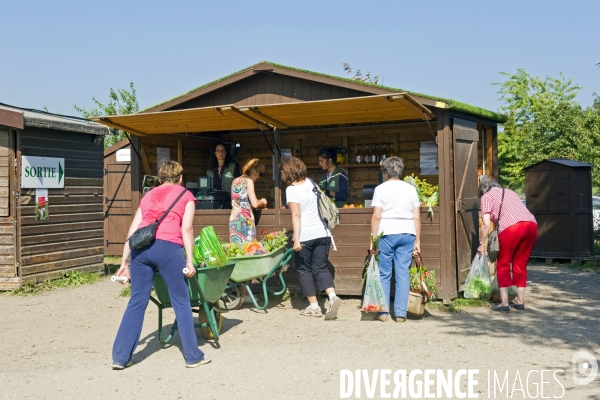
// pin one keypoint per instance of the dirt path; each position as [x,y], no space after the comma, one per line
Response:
[57,345]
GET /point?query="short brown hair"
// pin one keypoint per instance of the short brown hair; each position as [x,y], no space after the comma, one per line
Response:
[293,170]
[169,172]
[252,166]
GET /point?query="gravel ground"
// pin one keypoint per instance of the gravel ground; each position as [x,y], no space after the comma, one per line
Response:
[58,344]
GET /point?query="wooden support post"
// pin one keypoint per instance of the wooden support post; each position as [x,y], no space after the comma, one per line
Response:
[179,152]
[395,144]
[277,180]
[145,164]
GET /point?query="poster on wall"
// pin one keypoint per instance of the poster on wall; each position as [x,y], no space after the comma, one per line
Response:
[163,154]
[41,204]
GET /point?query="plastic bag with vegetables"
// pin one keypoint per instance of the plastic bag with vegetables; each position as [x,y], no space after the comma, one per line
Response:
[479,283]
[374,299]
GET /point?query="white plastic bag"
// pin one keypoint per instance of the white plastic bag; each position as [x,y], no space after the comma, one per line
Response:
[479,283]
[374,299]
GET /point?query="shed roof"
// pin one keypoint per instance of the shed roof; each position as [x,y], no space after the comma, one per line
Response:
[40,119]
[562,161]
[263,66]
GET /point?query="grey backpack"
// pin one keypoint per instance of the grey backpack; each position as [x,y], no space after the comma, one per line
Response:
[328,212]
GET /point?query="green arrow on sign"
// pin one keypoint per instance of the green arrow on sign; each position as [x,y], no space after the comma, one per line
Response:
[60,172]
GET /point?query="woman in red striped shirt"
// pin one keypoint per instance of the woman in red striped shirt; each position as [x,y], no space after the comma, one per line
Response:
[517,233]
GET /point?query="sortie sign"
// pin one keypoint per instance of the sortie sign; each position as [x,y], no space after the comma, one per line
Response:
[42,172]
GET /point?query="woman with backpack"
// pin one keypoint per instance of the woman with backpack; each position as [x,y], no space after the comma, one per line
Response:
[312,238]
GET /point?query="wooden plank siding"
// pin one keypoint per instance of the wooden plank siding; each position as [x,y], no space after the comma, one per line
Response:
[7,219]
[351,238]
[258,90]
[5,158]
[72,237]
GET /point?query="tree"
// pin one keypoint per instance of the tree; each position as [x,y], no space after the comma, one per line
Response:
[120,102]
[544,121]
[358,76]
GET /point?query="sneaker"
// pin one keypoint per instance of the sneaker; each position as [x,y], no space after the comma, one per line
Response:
[400,319]
[312,312]
[382,318]
[334,306]
[205,360]
[119,367]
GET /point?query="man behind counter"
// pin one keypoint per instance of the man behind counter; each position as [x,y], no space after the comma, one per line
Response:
[334,180]
[223,170]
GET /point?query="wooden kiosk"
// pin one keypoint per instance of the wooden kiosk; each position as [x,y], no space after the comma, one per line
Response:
[65,233]
[269,107]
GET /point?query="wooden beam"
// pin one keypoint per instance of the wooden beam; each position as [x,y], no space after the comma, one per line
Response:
[108,122]
[179,152]
[241,114]
[256,113]
[145,163]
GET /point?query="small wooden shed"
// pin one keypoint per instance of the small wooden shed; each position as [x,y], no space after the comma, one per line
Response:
[46,231]
[559,194]
[271,110]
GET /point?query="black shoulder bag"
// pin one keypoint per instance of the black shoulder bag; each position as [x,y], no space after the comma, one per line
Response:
[143,237]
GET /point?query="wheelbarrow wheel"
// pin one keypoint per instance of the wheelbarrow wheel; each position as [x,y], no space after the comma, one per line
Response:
[203,319]
[232,299]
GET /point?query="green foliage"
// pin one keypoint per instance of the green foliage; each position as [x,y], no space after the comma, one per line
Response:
[120,102]
[358,76]
[69,279]
[544,121]
[459,304]
[274,240]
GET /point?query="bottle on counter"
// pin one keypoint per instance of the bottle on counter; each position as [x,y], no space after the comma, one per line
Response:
[383,153]
[374,157]
[391,152]
[359,155]
[367,155]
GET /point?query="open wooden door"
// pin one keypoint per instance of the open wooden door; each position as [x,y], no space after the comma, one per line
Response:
[465,139]
[117,198]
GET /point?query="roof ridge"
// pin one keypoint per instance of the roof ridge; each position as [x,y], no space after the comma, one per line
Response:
[452,104]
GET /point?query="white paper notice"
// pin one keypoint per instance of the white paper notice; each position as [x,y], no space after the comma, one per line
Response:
[163,154]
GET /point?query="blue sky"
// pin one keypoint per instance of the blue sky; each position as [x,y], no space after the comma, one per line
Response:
[56,54]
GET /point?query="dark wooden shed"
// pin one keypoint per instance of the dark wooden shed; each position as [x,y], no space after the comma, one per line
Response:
[559,195]
[302,111]
[42,239]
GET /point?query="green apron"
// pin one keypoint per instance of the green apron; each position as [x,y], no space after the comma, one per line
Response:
[226,178]
[334,184]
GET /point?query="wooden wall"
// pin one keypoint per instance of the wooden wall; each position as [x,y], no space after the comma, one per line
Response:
[405,141]
[72,237]
[8,278]
[264,88]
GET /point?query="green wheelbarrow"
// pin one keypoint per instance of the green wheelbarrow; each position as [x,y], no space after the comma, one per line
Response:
[247,268]
[206,288]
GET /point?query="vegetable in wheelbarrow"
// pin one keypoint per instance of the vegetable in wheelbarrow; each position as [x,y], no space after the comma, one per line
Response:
[208,248]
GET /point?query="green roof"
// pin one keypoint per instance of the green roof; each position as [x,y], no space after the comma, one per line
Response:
[450,104]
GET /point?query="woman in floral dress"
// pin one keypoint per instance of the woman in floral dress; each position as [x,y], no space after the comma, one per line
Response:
[243,199]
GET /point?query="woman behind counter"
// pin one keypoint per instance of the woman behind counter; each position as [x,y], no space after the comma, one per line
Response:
[223,170]
[243,199]
[396,214]
[334,180]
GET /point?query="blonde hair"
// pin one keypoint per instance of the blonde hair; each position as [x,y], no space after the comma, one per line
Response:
[253,166]
[169,172]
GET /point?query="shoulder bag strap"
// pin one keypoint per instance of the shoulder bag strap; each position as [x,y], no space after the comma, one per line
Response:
[500,210]
[317,191]
[158,221]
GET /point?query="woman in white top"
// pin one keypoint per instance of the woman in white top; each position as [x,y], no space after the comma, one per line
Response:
[311,238]
[396,214]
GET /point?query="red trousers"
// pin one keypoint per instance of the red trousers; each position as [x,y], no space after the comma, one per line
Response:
[516,244]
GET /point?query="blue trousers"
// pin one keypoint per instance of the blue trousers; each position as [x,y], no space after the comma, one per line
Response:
[168,259]
[398,249]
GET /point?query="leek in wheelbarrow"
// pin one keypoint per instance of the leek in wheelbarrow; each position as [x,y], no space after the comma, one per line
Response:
[208,249]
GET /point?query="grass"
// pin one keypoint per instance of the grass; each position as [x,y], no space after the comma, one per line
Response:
[459,304]
[587,266]
[71,279]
